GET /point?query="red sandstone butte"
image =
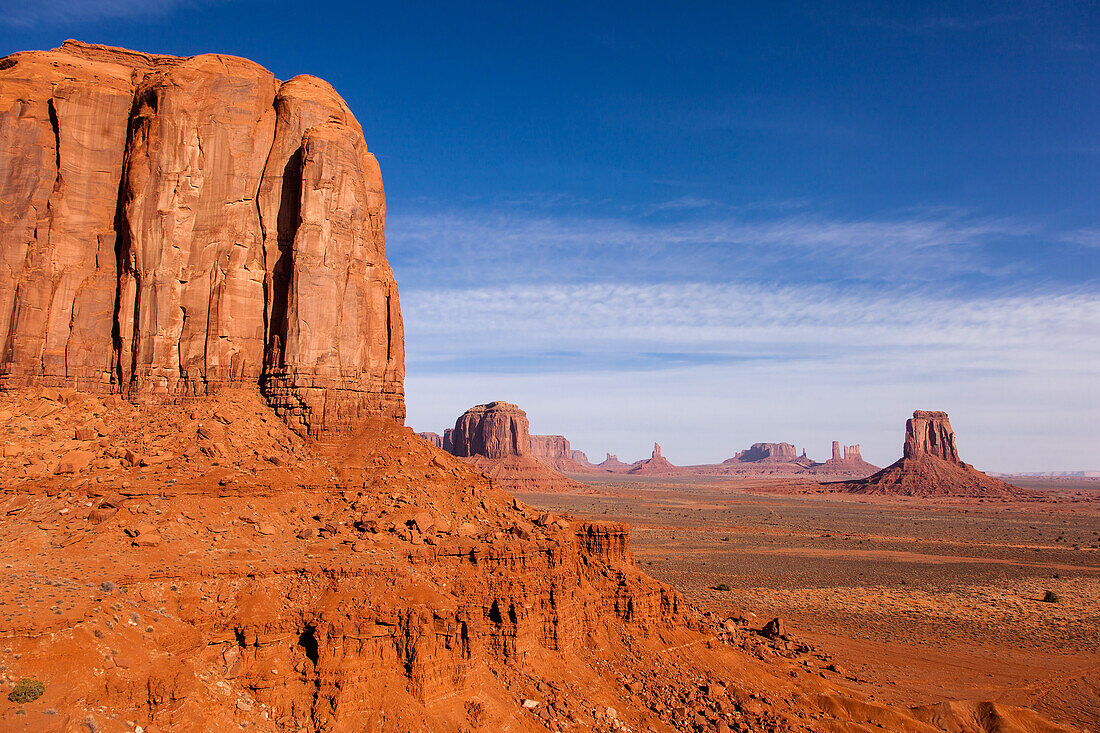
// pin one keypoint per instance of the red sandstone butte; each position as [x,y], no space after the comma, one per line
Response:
[656,464]
[844,463]
[930,466]
[245,247]
[496,439]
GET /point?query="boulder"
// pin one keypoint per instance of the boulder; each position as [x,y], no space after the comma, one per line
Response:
[74,461]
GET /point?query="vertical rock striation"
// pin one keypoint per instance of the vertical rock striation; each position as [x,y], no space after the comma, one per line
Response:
[496,430]
[930,433]
[151,248]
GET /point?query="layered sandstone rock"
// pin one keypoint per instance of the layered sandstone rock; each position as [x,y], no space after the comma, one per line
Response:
[772,452]
[929,433]
[555,452]
[552,450]
[495,430]
[151,248]
[496,439]
[930,466]
[655,464]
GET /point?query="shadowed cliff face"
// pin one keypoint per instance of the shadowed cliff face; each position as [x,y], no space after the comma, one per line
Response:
[152,248]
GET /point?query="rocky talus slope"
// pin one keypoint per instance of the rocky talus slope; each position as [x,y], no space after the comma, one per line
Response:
[200,566]
[930,466]
[153,248]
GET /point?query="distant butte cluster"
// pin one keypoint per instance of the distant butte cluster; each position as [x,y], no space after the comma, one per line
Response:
[496,435]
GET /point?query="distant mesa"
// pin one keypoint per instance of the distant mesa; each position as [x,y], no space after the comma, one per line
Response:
[495,438]
[930,466]
[434,438]
[555,452]
[613,464]
[771,452]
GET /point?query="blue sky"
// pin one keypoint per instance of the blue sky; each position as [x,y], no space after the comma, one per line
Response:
[711,224]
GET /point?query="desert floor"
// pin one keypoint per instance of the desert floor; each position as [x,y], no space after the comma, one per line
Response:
[919,601]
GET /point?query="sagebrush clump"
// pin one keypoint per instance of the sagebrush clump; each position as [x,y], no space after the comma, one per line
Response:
[27,691]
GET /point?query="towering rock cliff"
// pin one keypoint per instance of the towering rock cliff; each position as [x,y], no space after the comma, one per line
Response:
[930,466]
[496,439]
[150,248]
[929,433]
[495,430]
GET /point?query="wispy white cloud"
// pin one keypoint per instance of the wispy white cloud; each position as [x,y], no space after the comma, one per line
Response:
[707,369]
[495,246]
[1084,237]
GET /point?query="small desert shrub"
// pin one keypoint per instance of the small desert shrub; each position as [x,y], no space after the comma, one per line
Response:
[720,586]
[1050,597]
[27,691]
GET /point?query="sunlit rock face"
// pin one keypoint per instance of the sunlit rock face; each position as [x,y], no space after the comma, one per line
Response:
[152,248]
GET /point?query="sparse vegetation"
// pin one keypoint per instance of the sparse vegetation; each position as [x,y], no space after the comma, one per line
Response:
[27,690]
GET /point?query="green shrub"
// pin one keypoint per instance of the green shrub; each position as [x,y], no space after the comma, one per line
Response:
[1050,597]
[27,691]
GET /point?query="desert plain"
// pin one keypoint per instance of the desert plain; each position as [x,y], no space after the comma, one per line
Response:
[918,601]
